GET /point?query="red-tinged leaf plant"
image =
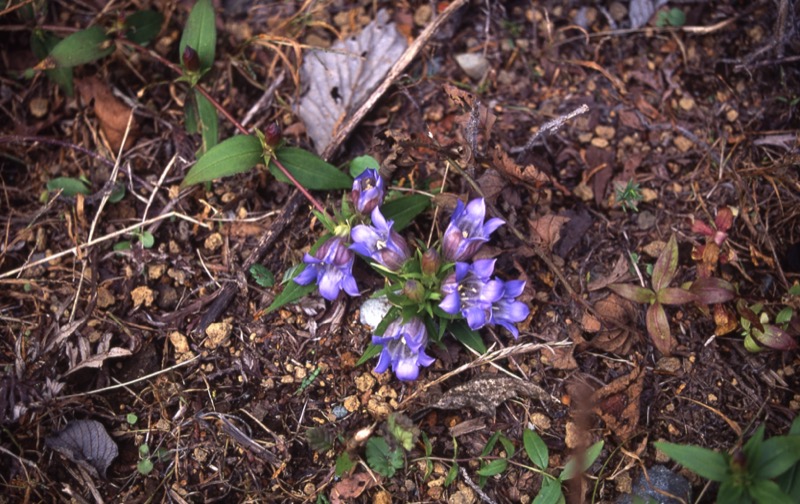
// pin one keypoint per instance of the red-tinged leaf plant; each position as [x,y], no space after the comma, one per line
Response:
[703,291]
[758,332]
[711,253]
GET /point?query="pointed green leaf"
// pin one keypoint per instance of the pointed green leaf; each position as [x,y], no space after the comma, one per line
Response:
[666,265]
[461,331]
[493,468]
[291,293]
[344,464]
[535,448]
[634,293]
[403,210]
[572,468]
[69,186]
[310,170]
[82,47]
[235,155]
[42,42]
[361,163]
[550,492]
[778,454]
[707,463]
[142,27]
[200,34]
[765,491]
[774,337]
[201,117]
[369,353]
[674,296]
[452,474]
[658,328]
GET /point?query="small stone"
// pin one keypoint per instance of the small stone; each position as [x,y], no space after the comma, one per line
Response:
[682,143]
[645,220]
[475,65]
[104,297]
[213,242]
[600,143]
[712,398]
[155,271]
[668,364]
[38,107]
[142,295]
[309,489]
[178,275]
[422,15]
[217,333]
[584,191]
[618,11]
[179,342]
[673,430]
[464,495]
[606,132]
[378,409]
[382,497]
[540,421]
[654,248]
[686,103]
[648,195]
[351,403]
[365,382]
[731,115]
[585,137]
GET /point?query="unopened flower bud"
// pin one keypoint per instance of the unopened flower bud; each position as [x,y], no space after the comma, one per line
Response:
[430,262]
[272,135]
[191,60]
[414,291]
[367,191]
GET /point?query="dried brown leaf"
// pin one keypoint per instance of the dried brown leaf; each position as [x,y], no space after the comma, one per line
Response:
[111,112]
[618,403]
[547,230]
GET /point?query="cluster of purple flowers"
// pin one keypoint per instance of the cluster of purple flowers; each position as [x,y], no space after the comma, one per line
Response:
[469,291]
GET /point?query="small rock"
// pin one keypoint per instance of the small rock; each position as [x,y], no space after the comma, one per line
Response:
[179,342]
[618,11]
[606,132]
[464,495]
[142,295]
[365,382]
[217,333]
[645,220]
[648,195]
[682,143]
[38,107]
[475,65]
[351,403]
[378,409]
[540,421]
[104,297]
[584,192]
[654,248]
[422,15]
[600,143]
[585,137]
[382,497]
[668,364]
[686,103]
[213,242]
[155,271]
[731,115]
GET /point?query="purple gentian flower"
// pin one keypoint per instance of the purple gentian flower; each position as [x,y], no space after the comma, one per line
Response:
[507,310]
[403,348]
[332,268]
[466,232]
[368,191]
[380,242]
[471,292]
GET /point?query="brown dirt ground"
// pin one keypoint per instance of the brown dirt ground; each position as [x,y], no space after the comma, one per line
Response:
[701,117]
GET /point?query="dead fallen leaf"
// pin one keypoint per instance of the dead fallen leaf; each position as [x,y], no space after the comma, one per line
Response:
[351,487]
[484,394]
[618,403]
[97,360]
[573,231]
[111,112]
[530,174]
[546,230]
[618,315]
[618,274]
[87,443]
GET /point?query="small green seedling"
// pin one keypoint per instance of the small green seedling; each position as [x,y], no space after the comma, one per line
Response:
[628,196]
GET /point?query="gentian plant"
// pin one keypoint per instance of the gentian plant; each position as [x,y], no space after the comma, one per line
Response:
[433,291]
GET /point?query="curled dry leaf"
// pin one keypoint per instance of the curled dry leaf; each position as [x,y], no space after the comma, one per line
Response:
[484,394]
[351,487]
[547,229]
[111,112]
[86,443]
[618,403]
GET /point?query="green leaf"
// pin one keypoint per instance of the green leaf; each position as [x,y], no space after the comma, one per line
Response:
[145,466]
[291,293]
[789,482]
[201,117]
[117,194]
[550,493]
[508,446]
[42,42]
[634,293]
[774,337]
[362,163]
[732,493]
[403,210]
[794,290]
[262,275]
[82,47]
[382,459]
[666,265]
[310,170]
[494,467]
[369,353]
[235,155]
[452,474]
[123,245]
[69,186]
[784,316]
[132,418]
[461,331]
[712,290]
[144,450]
[142,27]
[426,443]
[707,463]
[778,454]
[658,327]
[147,239]
[572,469]
[490,444]
[768,492]
[344,464]
[535,448]
[200,34]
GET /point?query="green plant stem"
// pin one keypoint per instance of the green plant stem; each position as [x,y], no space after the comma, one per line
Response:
[177,69]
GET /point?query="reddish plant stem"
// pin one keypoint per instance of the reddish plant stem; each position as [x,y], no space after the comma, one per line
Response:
[177,69]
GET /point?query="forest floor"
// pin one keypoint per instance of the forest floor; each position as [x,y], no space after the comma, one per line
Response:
[107,308]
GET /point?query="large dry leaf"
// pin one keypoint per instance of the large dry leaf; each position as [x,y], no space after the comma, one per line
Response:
[484,394]
[86,443]
[618,403]
[339,79]
[111,112]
